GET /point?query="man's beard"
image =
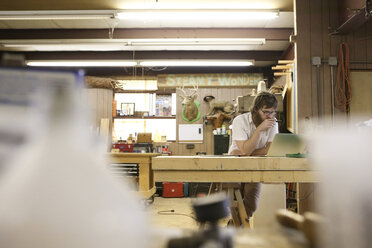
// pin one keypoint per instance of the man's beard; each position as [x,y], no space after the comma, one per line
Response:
[257,120]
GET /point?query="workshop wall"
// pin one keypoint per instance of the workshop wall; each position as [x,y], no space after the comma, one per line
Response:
[314,21]
[228,94]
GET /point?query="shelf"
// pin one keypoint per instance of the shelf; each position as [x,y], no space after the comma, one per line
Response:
[145,117]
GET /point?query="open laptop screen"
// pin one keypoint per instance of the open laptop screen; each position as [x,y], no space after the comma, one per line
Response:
[286,143]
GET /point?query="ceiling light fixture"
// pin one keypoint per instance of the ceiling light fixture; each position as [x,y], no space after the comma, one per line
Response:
[143,63]
[132,44]
[215,14]
[199,62]
[57,15]
[195,41]
[82,63]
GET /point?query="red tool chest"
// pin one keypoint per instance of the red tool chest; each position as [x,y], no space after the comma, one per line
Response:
[172,189]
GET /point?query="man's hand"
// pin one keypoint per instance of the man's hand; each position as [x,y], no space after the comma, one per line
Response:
[266,124]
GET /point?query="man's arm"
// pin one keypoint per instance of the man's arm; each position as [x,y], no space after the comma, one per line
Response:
[248,147]
[261,151]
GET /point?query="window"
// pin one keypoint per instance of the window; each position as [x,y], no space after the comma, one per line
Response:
[124,127]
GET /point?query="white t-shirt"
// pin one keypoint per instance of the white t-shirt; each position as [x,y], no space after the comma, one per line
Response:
[243,128]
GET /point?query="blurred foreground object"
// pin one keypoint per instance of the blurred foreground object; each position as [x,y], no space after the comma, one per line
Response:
[208,211]
[309,223]
[57,191]
[343,155]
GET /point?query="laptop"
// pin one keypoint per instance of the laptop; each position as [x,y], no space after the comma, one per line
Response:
[286,143]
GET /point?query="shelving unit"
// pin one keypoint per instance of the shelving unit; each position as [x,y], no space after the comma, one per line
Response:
[145,117]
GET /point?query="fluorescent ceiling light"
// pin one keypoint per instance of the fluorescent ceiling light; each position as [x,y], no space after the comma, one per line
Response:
[57,15]
[195,41]
[144,63]
[199,62]
[134,44]
[82,63]
[175,14]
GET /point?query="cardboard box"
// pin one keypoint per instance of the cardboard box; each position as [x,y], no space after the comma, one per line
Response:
[144,138]
[172,189]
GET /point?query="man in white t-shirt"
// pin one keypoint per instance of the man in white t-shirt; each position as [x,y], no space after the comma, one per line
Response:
[252,134]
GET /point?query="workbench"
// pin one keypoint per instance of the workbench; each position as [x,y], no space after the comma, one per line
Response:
[233,169]
[146,183]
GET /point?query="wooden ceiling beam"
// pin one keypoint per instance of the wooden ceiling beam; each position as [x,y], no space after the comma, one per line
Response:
[256,55]
[143,33]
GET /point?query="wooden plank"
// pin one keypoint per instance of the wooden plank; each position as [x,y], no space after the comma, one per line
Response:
[282,73]
[229,163]
[282,67]
[285,61]
[236,176]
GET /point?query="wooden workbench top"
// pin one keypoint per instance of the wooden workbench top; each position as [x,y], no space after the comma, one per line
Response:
[133,154]
[229,163]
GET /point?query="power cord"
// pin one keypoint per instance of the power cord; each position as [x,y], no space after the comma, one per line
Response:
[173,212]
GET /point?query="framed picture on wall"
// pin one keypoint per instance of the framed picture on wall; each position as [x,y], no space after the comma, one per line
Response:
[163,105]
[127,109]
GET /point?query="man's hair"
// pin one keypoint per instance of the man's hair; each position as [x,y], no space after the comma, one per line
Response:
[264,99]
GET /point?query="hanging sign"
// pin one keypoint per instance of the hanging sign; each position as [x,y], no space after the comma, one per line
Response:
[210,80]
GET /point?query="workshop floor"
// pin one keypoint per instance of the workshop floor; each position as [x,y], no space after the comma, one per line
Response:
[182,216]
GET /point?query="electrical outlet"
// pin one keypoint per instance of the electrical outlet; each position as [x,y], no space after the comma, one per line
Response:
[316,61]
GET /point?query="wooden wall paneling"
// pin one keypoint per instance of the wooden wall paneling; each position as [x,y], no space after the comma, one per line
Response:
[327,84]
[307,30]
[361,102]
[302,57]
[86,95]
[369,43]
[360,47]
[93,101]
[207,146]
[100,106]
[316,44]
[335,40]
[350,40]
